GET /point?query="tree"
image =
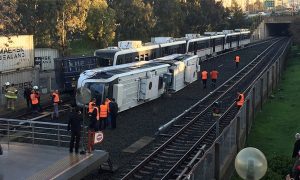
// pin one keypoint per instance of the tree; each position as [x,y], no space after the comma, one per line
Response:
[101,24]
[193,16]
[237,20]
[169,18]
[8,17]
[135,19]
[295,29]
[71,18]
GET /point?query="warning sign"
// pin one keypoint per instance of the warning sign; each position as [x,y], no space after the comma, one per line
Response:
[98,137]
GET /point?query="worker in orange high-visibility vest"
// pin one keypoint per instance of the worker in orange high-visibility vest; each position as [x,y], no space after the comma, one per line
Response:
[108,121]
[204,78]
[240,100]
[56,100]
[103,114]
[92,104]
[34,101]
[214,76]
[237,61]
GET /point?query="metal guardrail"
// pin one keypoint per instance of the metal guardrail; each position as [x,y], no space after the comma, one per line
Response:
[28,131]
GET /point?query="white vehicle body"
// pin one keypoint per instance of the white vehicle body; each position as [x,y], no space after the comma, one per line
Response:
[136,83]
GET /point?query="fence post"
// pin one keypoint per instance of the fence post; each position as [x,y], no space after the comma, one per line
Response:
[58,135]
[33,134]
[8,134]
[261,93]
[238,126]
[217,160]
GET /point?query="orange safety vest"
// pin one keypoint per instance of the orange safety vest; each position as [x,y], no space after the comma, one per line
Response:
[214,74]
[34,99]
[91,107]
[241,101]
[56,98]
[98,115]
[107,104]
[237,58]
[103,111]
[204,74]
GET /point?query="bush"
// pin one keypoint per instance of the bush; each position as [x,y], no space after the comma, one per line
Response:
[279,167]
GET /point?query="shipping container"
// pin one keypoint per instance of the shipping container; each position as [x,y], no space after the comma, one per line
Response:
[16,52]
[47,81]
[68,69]
[44,58]
[20,79]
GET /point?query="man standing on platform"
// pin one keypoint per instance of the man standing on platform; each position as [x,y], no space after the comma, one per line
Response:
[113,107]
[74,125]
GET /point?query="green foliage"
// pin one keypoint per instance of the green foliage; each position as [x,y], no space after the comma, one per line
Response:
[169,18]
[8,17]
[237,19]
[134,18]
[54,23]
[101,23]
[281,165]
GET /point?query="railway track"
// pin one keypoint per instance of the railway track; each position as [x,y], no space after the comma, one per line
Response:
[197,129]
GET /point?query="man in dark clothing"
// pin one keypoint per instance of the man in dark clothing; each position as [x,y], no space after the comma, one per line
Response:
[296,146]
[27,92]
[113,107]
[1,150]
[74,125]
[93,126]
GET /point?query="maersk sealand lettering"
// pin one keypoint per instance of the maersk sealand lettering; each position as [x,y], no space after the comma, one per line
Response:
[11,53]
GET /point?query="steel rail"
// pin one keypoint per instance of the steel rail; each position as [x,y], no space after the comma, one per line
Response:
[181,130]
[233,105]
[165,126]
[212,127]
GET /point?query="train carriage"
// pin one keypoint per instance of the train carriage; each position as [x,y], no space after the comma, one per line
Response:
[134,51]
[136,83]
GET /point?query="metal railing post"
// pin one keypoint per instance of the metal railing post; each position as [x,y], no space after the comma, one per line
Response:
[32,134]
[58,135]
[8,134]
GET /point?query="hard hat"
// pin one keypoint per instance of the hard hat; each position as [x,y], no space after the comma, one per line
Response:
[35,87]
[7,83]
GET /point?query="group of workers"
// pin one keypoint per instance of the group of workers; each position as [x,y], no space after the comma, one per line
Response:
[213,76]
[32,97]
[101,117]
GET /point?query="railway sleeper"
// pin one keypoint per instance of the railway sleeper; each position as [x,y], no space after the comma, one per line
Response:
[172,153]
[188,117]
[174,157]
[164,160]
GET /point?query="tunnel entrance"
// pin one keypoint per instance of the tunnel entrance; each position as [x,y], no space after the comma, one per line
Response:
[278,29]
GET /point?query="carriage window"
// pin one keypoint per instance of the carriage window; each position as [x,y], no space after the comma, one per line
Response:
[104,59]
[136,58]
[146,57]
[128,59]
[120,59]
[141,57]
[97,91]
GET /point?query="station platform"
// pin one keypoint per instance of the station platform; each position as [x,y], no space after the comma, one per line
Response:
[36,162]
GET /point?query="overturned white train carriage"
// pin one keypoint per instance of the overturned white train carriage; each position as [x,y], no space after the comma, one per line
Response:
[136,83]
